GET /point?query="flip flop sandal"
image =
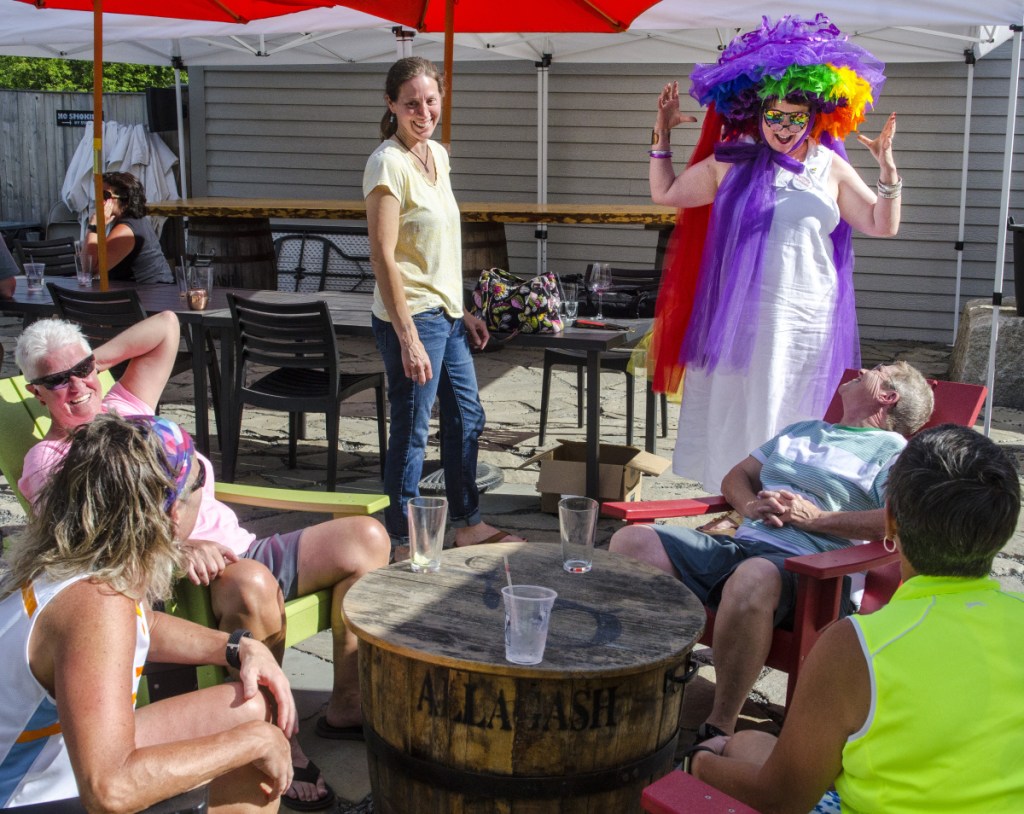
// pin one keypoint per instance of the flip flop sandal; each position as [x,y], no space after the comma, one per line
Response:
[687,764]
[338,733]
[309,773]
[706,732]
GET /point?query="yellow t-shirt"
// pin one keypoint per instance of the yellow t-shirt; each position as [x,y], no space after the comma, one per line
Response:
[429,249]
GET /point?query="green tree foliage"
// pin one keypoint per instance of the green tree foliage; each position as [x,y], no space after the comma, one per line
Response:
[30,73]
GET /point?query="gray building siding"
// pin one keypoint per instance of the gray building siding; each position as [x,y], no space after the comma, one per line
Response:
[306,132]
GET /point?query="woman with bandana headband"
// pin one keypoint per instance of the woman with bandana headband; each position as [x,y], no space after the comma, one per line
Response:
[76,627]
[757,302]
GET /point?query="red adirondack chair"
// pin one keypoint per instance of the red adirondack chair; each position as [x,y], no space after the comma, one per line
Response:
[820,578]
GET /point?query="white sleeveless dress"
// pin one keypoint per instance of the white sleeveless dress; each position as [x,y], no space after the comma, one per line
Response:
[725,415]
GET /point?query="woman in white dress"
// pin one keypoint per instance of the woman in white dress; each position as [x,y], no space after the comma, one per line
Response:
[763,316]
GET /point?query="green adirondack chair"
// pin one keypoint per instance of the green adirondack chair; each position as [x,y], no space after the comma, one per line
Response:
[25,421]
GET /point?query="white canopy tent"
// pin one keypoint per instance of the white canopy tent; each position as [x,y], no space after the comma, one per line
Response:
[670,31]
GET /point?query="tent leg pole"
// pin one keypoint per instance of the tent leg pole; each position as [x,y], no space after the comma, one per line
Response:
[969,57]
[1004,213]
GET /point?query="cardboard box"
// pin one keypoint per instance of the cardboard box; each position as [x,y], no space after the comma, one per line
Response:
[563,471]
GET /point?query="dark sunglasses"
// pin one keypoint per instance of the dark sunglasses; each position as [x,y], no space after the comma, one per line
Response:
[107,195]
[200,480]
[59,381]
[777,119]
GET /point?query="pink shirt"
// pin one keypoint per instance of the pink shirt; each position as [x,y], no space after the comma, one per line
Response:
[216,522]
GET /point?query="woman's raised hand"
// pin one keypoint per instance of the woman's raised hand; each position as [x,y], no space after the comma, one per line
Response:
[668,108]
[881,147]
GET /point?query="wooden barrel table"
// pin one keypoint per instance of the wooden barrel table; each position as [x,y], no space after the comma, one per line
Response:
[453,728]
[242,250]
[483,247]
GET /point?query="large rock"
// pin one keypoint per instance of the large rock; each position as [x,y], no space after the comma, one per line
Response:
[969,362]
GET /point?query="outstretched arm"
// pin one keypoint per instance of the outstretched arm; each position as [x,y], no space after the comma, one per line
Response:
[696,185]
[150,347]
[866,210]
[808,755]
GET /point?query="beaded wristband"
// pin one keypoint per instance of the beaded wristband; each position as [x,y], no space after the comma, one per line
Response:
[659,153]
[890,190]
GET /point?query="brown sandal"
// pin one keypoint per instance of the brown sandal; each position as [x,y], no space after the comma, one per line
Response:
[726,523]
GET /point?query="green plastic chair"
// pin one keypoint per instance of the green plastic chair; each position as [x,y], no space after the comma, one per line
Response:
[26,421]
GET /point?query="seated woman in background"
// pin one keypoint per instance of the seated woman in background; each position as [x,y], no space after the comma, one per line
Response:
[133,249]
[916,708]
[76,628]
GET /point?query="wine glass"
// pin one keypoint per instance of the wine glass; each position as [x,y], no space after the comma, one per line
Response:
[570,302]
[599,282]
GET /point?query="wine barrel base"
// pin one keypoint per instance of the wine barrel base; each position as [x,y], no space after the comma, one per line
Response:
[453,741]
[242,250]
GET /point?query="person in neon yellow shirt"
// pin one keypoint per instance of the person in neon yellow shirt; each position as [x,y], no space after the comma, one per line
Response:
[915,708]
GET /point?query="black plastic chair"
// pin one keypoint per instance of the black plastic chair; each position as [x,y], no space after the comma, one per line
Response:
[335,261]
[298,342]
[631,286]
[58,255]
[102,315]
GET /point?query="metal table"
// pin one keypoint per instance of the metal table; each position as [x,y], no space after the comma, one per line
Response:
[350,313]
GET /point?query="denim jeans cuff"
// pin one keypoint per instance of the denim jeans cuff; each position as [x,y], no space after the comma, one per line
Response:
[469,520]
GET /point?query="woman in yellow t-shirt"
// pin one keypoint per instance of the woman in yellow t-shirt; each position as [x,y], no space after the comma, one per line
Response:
[422,331]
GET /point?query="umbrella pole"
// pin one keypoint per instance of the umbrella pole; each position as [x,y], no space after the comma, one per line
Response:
[449,58]
[176,61]
[97,141]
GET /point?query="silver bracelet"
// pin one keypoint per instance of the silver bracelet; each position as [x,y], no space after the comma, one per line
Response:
[890,190]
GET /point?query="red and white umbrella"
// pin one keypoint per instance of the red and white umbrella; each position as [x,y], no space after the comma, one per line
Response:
[489,17]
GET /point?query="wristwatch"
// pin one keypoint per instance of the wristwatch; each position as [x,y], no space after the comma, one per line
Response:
[231,651]
[91,227]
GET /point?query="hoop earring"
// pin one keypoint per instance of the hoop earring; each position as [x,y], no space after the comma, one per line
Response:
[889,544]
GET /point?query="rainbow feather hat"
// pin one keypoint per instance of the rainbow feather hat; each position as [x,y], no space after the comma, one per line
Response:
[802,61]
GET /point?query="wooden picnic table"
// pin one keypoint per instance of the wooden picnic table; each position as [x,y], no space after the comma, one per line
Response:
[490,212]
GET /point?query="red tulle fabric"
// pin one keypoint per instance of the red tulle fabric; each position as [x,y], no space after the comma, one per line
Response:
[679,276]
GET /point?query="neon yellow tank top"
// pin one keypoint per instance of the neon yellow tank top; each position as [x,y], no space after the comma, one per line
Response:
[945,732]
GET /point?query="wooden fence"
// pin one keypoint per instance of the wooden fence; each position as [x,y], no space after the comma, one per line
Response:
[35,152]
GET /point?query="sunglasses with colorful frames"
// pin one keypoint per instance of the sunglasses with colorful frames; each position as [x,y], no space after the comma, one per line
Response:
[779,119]
[59,381]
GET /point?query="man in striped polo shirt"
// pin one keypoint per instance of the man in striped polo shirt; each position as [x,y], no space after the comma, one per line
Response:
[814,487]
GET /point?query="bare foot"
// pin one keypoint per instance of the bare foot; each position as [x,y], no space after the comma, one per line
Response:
[483,533]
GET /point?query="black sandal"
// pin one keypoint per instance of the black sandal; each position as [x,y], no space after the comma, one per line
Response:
[706,732]
[687,763]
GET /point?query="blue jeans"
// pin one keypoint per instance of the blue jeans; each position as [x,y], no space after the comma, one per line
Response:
[461,416]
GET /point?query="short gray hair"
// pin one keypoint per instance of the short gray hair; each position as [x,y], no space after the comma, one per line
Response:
[43,337]
[916,400]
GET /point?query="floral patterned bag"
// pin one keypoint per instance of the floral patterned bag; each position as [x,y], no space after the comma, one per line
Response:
[509,304]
